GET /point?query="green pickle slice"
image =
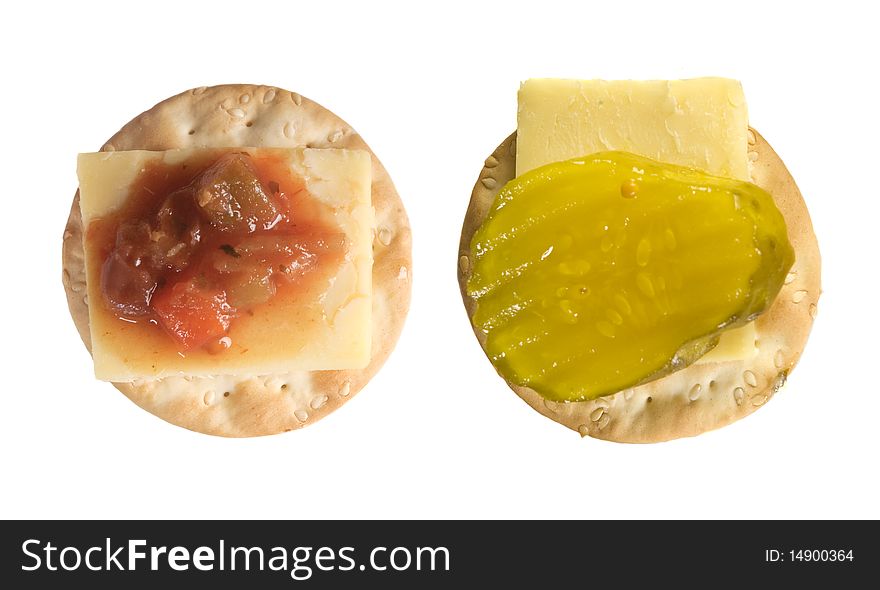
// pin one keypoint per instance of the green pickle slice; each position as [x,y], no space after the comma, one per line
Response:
[600,273]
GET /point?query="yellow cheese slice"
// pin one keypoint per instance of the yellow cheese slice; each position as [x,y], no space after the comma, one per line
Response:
[701,123]
[329,328]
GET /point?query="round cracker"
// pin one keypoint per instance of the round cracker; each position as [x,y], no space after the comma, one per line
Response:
[242,115]
[700,397]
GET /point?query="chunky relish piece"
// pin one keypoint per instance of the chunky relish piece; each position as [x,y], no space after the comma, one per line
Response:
[127,284]
[600,273]
[232,198]
[253,266]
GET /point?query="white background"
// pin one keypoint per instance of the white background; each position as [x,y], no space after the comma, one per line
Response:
[433,90]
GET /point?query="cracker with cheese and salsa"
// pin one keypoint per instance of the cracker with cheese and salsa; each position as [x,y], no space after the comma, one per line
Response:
[237,260]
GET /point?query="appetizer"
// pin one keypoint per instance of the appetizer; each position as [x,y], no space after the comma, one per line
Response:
[636,261]
[237,260]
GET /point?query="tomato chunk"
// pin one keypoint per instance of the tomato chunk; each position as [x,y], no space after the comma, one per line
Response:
[192,314]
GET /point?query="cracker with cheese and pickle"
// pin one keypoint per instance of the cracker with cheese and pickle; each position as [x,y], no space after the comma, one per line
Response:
[237,260]
[636,261]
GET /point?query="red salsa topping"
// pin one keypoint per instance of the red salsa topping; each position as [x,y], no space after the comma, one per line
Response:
[201,243]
